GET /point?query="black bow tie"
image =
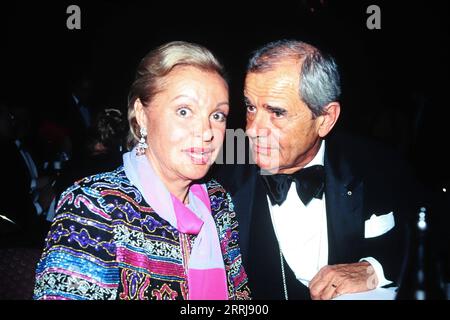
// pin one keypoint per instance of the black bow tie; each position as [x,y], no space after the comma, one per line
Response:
[310,183]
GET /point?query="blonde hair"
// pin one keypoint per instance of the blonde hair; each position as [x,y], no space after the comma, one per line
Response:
[155,66]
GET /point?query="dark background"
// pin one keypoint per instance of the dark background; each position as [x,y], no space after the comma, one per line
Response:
[395,80]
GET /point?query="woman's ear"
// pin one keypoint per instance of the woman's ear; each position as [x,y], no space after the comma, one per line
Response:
[139,111]
[329,119]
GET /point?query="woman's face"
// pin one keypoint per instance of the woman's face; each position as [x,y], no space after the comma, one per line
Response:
[185,123]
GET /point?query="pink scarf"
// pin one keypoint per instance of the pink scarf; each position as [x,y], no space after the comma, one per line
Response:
[206,270]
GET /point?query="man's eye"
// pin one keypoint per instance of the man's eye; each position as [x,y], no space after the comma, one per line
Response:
[251,109]
[278,114]
[183,112]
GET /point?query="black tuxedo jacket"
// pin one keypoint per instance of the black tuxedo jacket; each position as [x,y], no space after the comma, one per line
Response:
[361,179]
[15,199]
[16,202]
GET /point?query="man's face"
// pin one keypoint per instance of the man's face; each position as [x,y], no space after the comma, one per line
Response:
[283,134]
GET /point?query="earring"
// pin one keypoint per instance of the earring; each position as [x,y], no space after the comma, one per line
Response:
[142,145]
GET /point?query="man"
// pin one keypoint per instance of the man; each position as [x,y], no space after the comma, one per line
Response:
[321,214]
[23,193]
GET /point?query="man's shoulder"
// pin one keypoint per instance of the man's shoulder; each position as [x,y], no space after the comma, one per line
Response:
[362,152]
[377,163]
[357,144]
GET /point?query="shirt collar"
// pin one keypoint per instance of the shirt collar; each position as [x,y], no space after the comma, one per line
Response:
[319,157]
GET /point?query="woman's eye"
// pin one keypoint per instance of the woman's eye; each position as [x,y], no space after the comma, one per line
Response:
[219,116]
[183,112]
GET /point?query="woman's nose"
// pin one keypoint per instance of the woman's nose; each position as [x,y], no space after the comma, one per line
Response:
[204,130]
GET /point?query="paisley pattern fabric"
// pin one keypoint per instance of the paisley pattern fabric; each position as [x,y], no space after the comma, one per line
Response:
[106,242]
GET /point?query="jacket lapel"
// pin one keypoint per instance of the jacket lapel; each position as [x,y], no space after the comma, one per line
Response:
[263,257]
[344,192]
[247,199]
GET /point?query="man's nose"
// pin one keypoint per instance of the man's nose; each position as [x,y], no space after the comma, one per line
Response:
[257,125]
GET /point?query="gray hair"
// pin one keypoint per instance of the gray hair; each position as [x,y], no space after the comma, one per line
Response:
[319,77]
[153,69]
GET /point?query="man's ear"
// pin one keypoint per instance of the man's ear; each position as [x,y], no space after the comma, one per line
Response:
[329,119]
[139,111]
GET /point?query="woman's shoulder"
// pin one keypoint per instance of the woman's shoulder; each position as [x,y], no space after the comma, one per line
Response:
[115,179]
[219,197]
[213,185]
[102,190]
[215,189]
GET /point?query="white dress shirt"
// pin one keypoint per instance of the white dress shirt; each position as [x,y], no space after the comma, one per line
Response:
[302,232]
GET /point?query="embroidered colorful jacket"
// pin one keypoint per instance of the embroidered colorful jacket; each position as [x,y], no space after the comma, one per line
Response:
[106,242]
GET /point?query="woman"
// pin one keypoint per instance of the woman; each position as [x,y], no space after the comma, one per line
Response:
[147,230]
